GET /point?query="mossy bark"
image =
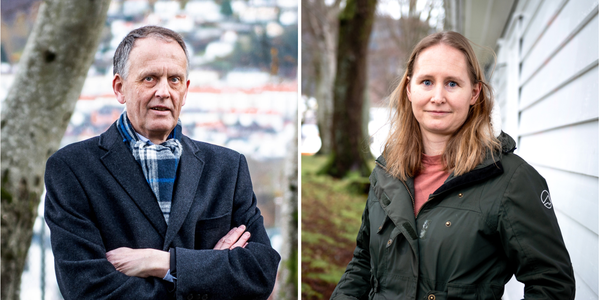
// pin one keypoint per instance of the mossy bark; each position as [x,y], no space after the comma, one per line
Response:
[35,115]
[350,147]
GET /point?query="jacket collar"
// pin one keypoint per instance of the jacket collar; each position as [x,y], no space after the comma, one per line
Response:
[489,167]
[122,166]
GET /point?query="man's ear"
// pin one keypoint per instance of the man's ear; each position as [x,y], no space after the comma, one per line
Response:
[187,86]
[117,85]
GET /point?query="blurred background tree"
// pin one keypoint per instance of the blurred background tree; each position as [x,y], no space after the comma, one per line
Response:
[348,151]
[319,42]
[35,115]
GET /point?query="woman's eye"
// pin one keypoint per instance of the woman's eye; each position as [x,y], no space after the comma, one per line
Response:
[427,82]
[452,84]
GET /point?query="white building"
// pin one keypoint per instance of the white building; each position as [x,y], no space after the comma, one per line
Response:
[546,88]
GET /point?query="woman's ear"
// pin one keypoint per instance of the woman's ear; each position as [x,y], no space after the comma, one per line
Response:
[475,93]
[408,88]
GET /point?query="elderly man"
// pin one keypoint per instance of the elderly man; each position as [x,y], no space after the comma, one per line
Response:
[144,212]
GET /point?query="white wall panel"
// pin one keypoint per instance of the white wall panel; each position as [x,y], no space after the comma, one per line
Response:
[574,195]
[573,149]
[509,90]
[578,54]
[513,290]
[538,15]
[567,21]
[582,245]
[582,290]
[574,103]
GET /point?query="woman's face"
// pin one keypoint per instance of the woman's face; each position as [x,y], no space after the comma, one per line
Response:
[440,91]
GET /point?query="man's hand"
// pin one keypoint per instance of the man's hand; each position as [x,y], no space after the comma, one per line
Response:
[236,237]
[151,262]
[140,262]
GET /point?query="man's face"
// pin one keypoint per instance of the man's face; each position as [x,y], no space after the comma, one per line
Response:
[155,88]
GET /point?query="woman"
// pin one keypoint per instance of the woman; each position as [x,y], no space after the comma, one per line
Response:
[452,213]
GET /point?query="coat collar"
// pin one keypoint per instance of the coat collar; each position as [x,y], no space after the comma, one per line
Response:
[120,163]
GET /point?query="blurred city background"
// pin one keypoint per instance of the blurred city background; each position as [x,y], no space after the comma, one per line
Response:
[242,95]
[545,79]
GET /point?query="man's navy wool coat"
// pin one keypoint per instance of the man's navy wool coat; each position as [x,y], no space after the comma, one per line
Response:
[98,200]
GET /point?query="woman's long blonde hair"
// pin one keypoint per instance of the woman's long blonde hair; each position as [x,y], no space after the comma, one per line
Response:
[467,147]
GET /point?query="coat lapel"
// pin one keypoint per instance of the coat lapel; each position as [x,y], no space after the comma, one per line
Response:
[120,163]
[188,178]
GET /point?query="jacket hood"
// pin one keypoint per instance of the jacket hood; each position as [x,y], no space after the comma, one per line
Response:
[508,143]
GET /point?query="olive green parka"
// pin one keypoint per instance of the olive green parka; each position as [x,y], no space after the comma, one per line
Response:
[467,241]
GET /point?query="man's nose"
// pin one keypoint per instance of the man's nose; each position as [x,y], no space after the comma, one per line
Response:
[162,88]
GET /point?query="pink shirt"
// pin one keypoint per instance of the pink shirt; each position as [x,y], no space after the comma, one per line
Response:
[429,179]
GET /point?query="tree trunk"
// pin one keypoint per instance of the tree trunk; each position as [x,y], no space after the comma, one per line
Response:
[350,151]
[321,22]
[323,94]
[324,89]
[35,115]
[289,228]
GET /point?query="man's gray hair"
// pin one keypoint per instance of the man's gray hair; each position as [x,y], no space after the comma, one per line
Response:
[121,58]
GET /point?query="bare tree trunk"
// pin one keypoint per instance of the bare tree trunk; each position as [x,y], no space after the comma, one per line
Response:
[289,228]
[325,85]
[350,150]
[321,22]
[35,115]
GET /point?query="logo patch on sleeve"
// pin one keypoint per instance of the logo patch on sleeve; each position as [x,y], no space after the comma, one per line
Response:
[546,200]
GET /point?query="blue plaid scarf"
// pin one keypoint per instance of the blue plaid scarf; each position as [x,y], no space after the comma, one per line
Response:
[159,162]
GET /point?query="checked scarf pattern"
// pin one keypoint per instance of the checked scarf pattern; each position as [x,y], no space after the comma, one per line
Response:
[158,162]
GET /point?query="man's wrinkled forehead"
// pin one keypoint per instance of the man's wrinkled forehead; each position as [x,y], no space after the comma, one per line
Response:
[163,40]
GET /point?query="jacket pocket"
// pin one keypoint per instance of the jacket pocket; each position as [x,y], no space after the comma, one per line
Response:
[210,231]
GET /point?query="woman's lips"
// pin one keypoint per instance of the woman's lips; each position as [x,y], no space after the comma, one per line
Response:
[437,112]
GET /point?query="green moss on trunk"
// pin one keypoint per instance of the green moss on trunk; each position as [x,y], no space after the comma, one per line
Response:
[349,144]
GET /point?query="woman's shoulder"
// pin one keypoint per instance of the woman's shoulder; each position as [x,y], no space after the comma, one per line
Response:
[511,161]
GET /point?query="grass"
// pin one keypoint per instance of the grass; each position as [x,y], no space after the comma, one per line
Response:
[331,217]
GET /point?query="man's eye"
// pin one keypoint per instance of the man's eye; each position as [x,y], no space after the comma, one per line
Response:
[148,78]
[175,79]
[427,82]
[452,84]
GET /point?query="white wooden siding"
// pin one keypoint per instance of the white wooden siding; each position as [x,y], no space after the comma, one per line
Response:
[571,149]
[548,97]
[573,58]
[558,109]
